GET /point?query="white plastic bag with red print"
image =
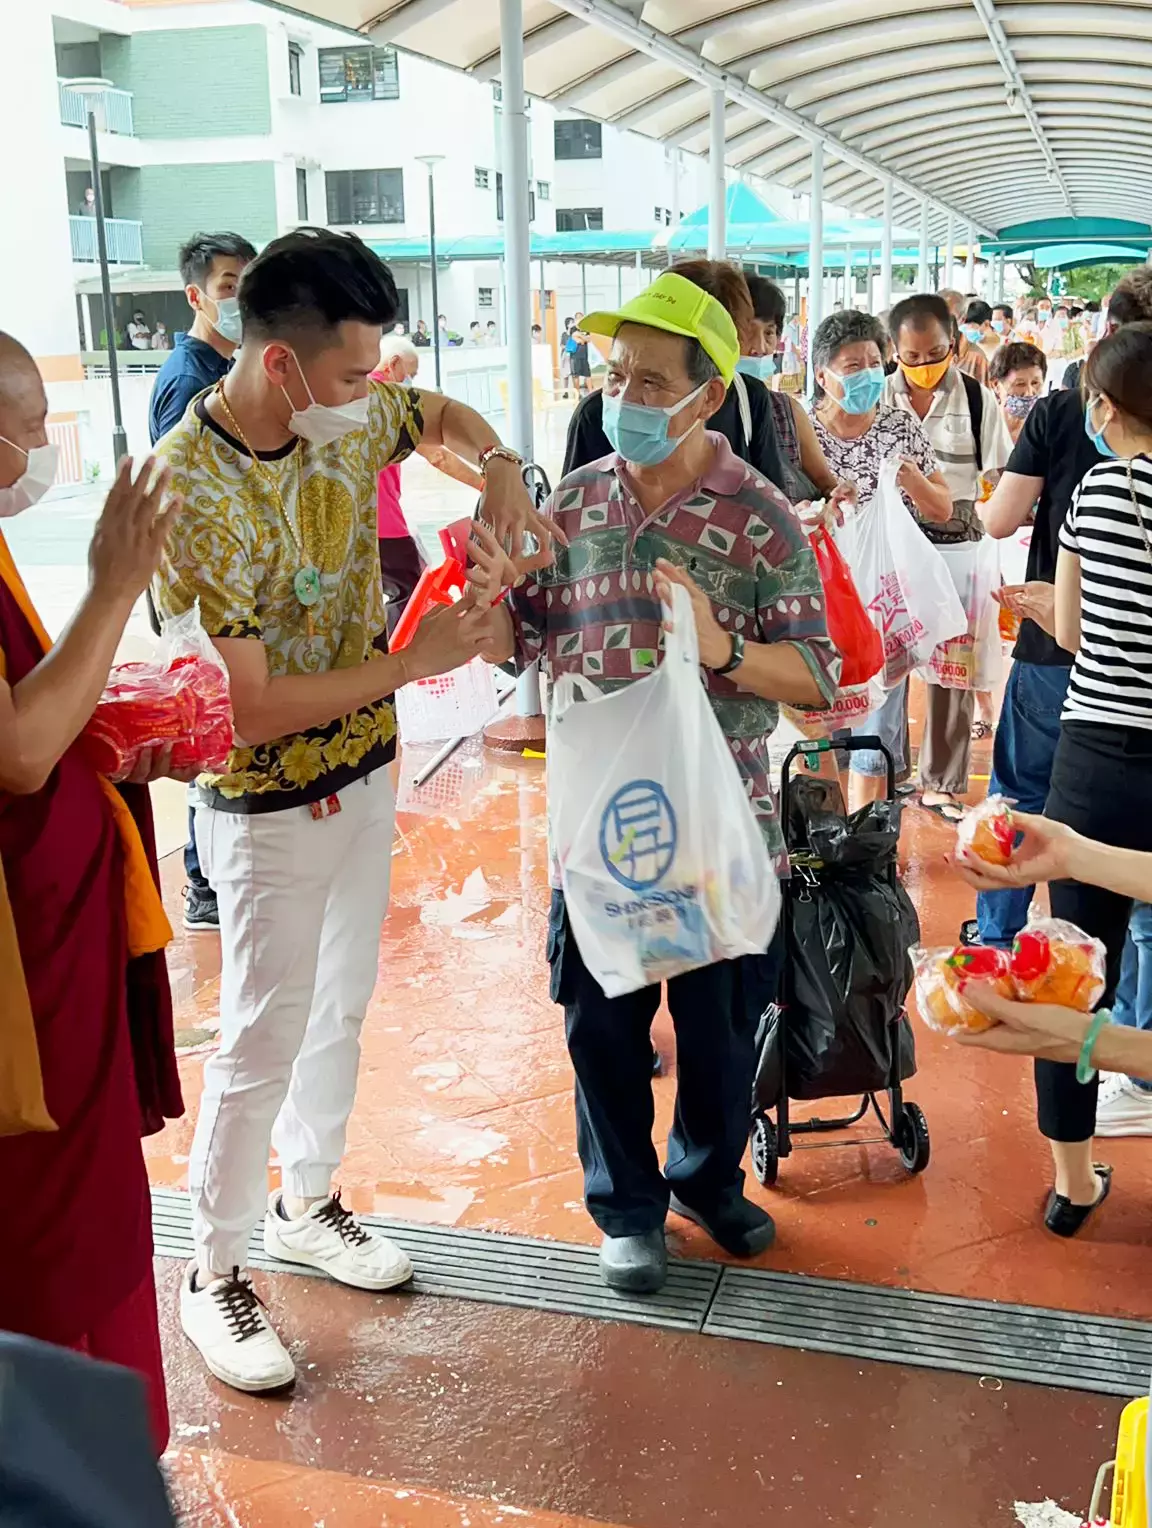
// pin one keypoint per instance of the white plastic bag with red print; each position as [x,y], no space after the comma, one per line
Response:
[902,579]
[973,659]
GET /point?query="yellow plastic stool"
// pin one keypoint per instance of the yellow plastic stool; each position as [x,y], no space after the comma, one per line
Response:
[1129,1490]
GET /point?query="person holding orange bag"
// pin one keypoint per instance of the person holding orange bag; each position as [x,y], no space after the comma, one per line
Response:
[87,1060]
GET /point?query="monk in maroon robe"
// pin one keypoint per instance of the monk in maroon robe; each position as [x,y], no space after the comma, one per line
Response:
[87,1063]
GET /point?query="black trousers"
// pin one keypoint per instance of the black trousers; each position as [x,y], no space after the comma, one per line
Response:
[715,1012]
[1102,787]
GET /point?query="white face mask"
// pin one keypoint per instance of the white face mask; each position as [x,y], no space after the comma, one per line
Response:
[227,323]
[322,423]
[33,483]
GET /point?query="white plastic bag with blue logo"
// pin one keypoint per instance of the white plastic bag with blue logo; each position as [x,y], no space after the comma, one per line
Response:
[663,864]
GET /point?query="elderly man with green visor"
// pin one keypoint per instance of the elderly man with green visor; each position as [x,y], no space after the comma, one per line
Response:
[672,504]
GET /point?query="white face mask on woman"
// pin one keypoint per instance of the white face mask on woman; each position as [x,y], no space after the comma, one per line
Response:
[322,423]
[33,483]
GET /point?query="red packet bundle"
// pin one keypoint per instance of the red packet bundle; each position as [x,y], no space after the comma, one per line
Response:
[179,697]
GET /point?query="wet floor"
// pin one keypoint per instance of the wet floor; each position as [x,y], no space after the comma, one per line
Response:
[429,1411]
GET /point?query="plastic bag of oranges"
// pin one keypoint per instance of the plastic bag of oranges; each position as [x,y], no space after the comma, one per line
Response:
[1053,961]
[178,697]
[941,976]
[987,831]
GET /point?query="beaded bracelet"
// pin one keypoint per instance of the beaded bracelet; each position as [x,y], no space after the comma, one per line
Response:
[1085,1071]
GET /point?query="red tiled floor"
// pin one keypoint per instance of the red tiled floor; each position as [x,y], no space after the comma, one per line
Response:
[464,1111]
[466,1404]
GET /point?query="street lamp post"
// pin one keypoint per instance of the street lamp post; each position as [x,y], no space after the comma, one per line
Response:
[431,161]
[92,90]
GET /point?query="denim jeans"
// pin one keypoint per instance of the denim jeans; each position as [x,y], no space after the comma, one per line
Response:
[1026,738]
[1132,1004]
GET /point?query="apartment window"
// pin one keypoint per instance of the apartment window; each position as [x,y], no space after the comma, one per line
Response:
[295,54]
[301,193]
[500,200]
[662,215]
[484,297]
[544,190]
[358,74]
[481,178]
[365,196]
[577,140]
[579,219]
[497,91]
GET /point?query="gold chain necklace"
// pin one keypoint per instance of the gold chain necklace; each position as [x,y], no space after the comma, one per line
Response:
[306,581]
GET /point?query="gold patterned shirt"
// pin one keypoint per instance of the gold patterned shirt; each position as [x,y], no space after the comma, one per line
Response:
[231,550]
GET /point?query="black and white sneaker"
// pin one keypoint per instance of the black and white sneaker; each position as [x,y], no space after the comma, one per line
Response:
[201,914]
[227,1322]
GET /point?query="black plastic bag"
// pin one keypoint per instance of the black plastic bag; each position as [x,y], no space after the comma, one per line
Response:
[849,926]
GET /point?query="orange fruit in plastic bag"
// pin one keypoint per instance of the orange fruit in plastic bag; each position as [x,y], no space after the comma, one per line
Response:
[1046,970]
[988,831]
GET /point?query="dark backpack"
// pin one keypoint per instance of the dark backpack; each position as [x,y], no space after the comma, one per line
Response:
[976,414]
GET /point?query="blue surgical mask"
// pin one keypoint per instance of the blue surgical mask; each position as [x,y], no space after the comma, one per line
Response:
[639,433]
[227,323]
[999,325]
[759,366]
[972,333]
[862,389]
[1097,436]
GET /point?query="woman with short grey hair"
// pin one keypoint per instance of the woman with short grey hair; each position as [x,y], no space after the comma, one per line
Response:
[858,432]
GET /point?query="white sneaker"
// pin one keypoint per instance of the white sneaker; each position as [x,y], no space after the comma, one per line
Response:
[226,1321]
[330,1238]
[1122,1108]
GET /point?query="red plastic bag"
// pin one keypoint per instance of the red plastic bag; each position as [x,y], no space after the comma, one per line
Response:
[853,634]
[179,696]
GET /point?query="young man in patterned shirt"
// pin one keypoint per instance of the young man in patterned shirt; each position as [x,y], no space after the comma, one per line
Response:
[672,504]
[277,466]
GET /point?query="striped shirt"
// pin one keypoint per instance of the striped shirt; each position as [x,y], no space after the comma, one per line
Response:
[1111,681]
[595,611]
[948,426]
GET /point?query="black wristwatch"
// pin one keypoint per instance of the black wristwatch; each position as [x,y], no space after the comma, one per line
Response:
[737,657]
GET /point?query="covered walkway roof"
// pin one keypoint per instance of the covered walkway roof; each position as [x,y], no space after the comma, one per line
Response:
[995,110]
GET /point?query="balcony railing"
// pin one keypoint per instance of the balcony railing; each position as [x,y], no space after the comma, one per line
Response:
[113,109]
[125,240]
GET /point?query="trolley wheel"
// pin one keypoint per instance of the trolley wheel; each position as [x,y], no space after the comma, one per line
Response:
[912,1140]
[765,1150]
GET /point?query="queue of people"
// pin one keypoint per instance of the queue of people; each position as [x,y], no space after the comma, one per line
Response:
[292,402]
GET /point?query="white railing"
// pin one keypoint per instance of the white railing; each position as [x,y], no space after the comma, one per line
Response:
[112,108]
[125,240]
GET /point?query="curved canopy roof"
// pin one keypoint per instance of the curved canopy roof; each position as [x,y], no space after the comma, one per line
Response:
[998,110]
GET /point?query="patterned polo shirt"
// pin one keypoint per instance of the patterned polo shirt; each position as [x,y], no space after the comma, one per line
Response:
[595,611]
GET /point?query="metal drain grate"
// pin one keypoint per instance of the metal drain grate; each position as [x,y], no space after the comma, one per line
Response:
[501,1270]
[1046,1347]
[1020,1342]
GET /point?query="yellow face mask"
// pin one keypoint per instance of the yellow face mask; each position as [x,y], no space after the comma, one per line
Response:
[926,377]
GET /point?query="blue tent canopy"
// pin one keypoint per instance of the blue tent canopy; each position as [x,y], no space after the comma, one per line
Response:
[740,206]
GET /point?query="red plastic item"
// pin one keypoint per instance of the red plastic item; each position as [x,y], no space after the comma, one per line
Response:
[437,586]
[859,644]
[179,698]
[454,539]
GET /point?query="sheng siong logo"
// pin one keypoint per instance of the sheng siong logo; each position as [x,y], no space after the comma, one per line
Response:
[638,835]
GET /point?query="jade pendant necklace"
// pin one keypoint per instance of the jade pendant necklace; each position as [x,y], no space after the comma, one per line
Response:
[306,580]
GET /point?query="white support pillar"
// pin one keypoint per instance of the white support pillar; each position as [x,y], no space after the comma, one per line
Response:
[950,254]
[517,259]
[970,262]
[717,233]
[849,284]
[517,268]
[886,250]
[923,274]
[815,255]
[675,208]
[870,288]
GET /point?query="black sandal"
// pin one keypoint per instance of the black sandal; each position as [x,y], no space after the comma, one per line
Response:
[1063,1218]
[943,809]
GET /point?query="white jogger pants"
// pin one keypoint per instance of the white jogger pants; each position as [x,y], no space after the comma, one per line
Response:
[301,904]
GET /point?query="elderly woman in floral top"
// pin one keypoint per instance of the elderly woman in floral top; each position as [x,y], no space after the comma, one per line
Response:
[858,432]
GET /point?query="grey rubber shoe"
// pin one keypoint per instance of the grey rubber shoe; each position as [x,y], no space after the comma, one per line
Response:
[636,1263]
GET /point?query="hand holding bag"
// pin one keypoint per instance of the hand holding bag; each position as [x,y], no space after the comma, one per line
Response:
[662,861]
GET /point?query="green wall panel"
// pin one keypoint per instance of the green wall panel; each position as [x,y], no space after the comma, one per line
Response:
[175,200]
[190,83]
